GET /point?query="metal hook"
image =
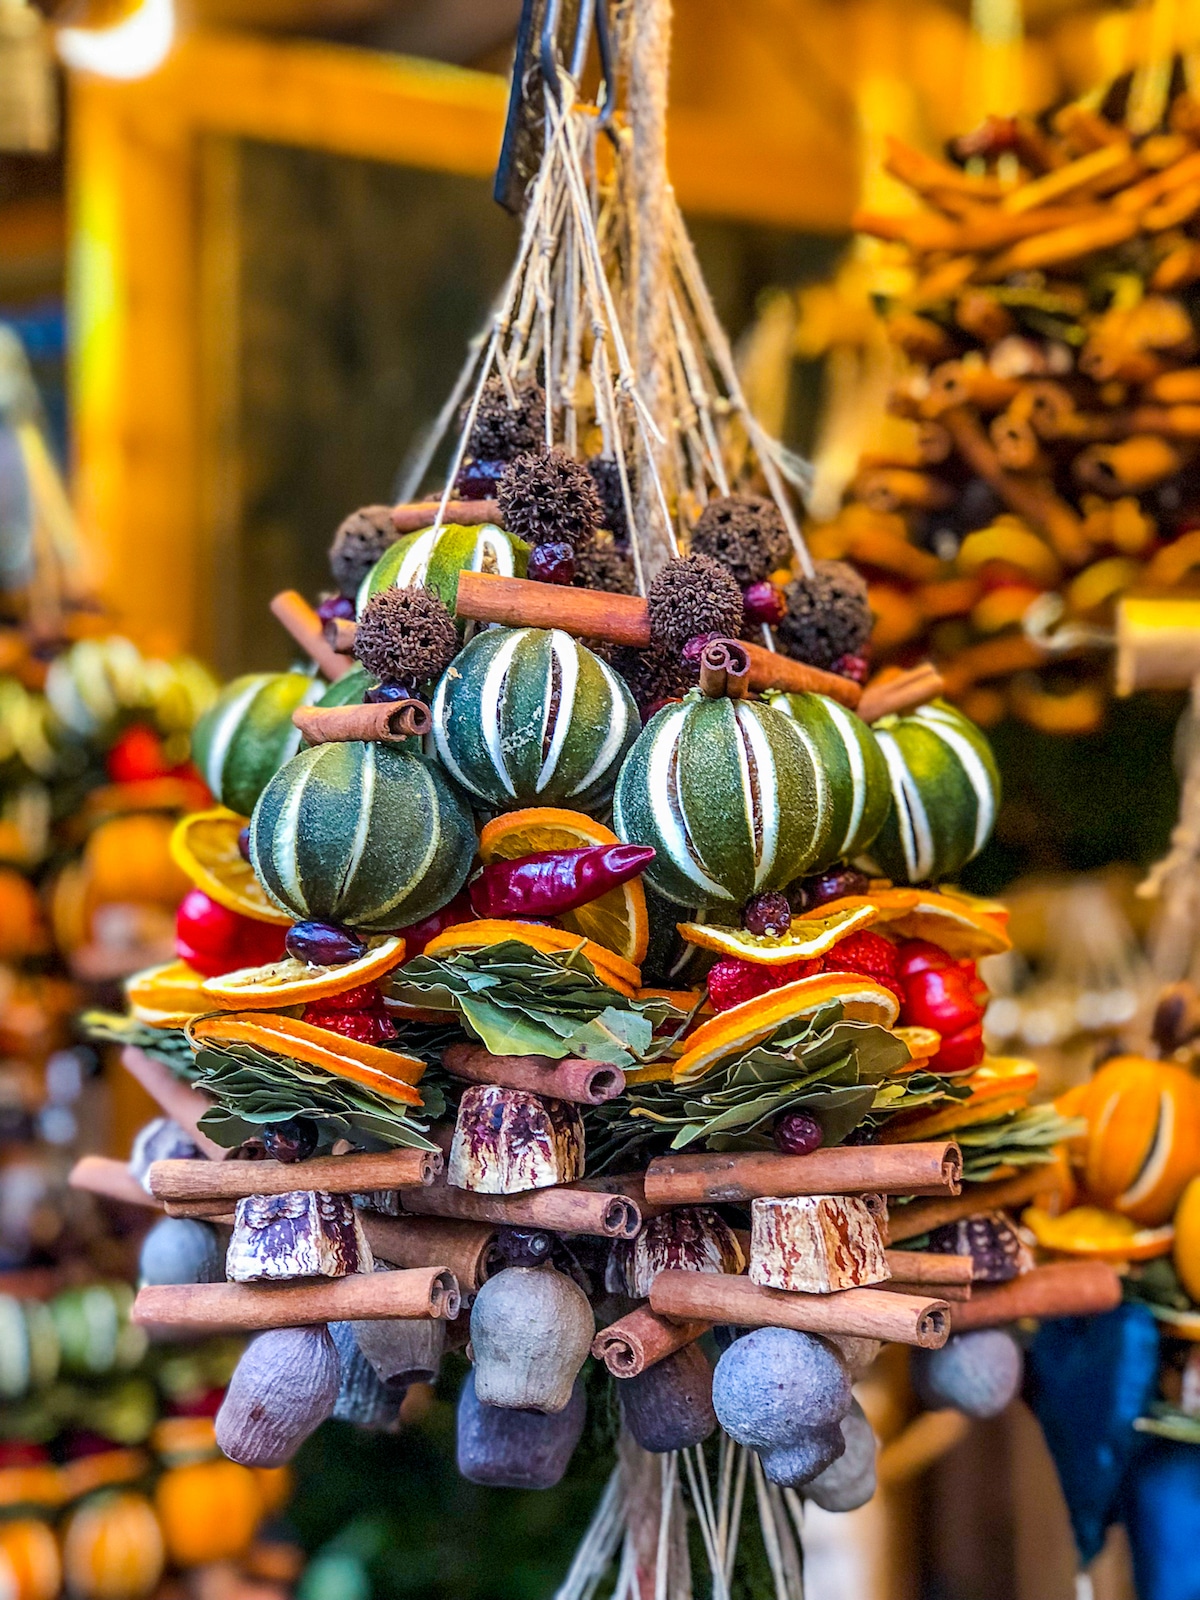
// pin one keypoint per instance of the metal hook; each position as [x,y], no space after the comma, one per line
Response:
[536,73]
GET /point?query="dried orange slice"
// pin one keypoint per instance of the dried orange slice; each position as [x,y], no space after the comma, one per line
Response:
[742,1027]
[922,1043]
[999,1084]
[205,847]
[612,969]
[957,923]
[289,982]
[166,996]
[807,937]
[618,919]
[1105,1235]
[385,1071]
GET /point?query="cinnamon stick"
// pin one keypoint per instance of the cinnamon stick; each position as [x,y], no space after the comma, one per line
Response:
[929,1267]
[890,489]
[420,1292]
[353,1174]
[178,1101]
[103,1176]
[392,721]
[621,619]
[304,625]
[710,1178]
[903,692]
[642,1339]
[1057,245]
[465,1248]
[1175,388]
[922,1216]
[859,1313]
[585,1083]
[1158,644]
[630,1185]
[1067,179]
[945,1291]
[561,1209]
[1037,503]
[586,613]
[419,514]
[724,669]
[1062,1289]
[340,634]
[1129,467]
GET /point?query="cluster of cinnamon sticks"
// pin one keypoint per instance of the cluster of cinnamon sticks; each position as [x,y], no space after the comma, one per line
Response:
[1045,436]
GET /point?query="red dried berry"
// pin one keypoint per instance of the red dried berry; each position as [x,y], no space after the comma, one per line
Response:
[768,914]
[872,955]
[552,563]
[797,1134]
[857,668]
[763,602]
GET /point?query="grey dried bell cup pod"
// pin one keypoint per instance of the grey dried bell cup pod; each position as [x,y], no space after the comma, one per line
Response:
[362,1399]
[978,1373]
[669,1405]
[531,1331]
[282,1389]
[850,1481]
[773,1385]
[181,1250]
[506,1449]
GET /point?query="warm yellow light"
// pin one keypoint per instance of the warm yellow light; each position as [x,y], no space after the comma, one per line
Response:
[132,48]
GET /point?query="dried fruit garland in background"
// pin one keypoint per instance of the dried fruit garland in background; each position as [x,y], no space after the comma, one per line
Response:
[1040,458]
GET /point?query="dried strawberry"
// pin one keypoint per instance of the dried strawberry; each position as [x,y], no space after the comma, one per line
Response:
[365,998]
[872,955]
[733,980]
[367,1026]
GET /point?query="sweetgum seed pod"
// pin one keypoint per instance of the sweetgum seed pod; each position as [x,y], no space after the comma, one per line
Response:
[850,1481]
[282,1389]
[773,1386]
[507,1449]
[977,1373]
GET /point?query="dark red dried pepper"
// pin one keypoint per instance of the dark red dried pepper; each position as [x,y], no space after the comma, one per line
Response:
[552,881]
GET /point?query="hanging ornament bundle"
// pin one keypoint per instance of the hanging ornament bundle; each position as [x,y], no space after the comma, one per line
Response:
[565,969]
[1039,461]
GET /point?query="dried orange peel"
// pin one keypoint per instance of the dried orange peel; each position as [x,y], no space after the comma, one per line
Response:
[205,847]
[1103,1235]
[612,969]
[744,1026]
[289,982]
[166,996]
[386,1071]
[812,935]
[618,919]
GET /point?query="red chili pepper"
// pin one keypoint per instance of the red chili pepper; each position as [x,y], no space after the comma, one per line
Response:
[553,881]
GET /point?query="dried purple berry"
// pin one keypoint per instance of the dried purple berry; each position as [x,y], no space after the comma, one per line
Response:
[831,885]
[336,606]
[477,480]
[856,668]
[767,914]
[321,944]
[244,843]
[523,1247]
[797,1134]
[552,563]
[763,602]
[290,1141]
[385,693]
